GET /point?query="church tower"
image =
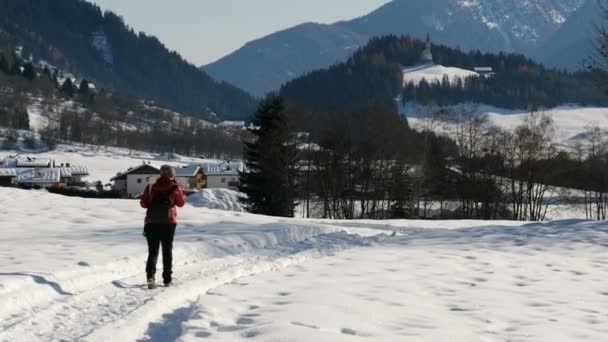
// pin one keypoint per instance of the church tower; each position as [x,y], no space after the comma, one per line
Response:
[427,54]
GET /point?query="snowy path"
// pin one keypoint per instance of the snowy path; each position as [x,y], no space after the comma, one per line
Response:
[533,283]
[64,278]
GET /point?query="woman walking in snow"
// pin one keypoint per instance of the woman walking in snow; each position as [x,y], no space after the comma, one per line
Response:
[161,200]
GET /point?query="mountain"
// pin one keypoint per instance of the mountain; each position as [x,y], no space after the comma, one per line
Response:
[262,65]
[75,35]
[572,44]
[487,25]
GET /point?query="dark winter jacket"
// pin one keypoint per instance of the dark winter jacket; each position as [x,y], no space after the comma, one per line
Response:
[164,184]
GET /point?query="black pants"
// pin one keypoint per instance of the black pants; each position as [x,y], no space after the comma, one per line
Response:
[160,235]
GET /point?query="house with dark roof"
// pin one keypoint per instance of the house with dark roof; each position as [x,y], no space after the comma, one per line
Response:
[133,182]
[8,176]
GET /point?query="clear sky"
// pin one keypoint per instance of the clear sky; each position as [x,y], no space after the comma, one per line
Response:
[205,30]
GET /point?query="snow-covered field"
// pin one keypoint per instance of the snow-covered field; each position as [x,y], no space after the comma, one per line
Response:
[104,163]
[73,269]
[569,121]
[432,73]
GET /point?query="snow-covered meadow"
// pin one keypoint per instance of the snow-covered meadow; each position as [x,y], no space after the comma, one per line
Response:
[569,120]
[434,73]
[73,269]
[103,162]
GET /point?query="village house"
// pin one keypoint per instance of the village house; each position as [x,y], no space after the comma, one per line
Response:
[39,172]
[191,178]
[486,72]
[133,182]
[223,175]
[8,176]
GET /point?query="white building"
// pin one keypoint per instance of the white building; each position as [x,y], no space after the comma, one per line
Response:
[427,54]
[484,71]
[40,172]
[134,181]
[223,176]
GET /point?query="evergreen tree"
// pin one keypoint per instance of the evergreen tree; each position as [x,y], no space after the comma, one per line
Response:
[270,159]
[22,119]
[55,78]
[4,65]
[29,71]
[83,89]
[15,69]
[47,73]
[67,89]
[400,191]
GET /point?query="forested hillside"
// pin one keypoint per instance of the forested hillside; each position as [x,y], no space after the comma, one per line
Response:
[34,98]
[76,36]
[374,75]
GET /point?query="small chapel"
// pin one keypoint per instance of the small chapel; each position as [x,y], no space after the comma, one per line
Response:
[427,54]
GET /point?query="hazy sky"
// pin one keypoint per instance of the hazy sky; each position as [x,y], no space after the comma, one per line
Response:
[205,30]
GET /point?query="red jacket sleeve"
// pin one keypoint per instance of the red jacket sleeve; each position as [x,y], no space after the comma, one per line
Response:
[179,198]
[144,201]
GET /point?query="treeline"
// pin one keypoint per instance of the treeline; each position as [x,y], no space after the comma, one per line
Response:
[369,164]
[188,138]
[13,112]
[75,35]
[515,90]
[374,75]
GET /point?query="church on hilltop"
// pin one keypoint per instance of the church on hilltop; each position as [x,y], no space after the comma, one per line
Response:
[427,54]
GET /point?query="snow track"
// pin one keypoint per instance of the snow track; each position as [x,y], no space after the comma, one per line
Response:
[95,289]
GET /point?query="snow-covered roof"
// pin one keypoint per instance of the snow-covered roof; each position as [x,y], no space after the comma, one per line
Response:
[33,162]
[133,169]
[9,172]
[39,176]
[483,69]
[188,171]
[75,170]
[9,162]
[223,168]
[232,123]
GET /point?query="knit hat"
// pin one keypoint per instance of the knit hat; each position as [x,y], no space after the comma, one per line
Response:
[167,171]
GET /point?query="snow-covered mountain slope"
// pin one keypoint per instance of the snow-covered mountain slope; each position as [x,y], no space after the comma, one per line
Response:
[73,269]
[570,121]
[432,73]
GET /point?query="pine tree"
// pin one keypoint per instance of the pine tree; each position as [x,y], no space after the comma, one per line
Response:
[400,191]
[83,89]
[29,71]
[4,65]
[22,119]
[55,78]
[270,160]
[68,88]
